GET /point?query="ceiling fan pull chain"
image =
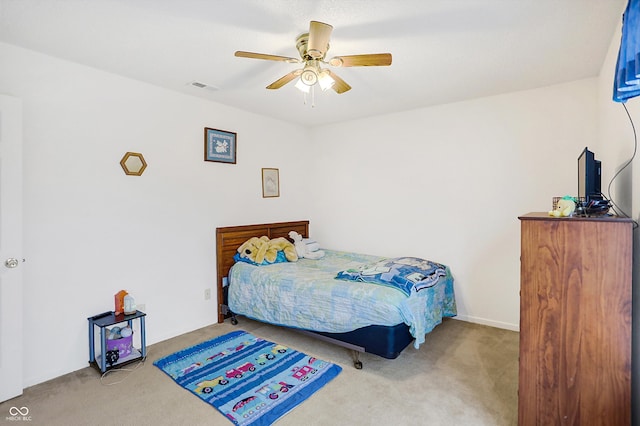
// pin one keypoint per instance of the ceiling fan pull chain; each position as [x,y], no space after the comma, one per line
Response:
[313,96]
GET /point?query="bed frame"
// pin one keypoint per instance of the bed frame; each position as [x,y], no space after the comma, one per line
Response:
[385,341]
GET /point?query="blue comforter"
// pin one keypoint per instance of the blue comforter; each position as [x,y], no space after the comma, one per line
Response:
[306,295]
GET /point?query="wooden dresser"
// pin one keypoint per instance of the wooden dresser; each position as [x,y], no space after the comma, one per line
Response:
[575,321]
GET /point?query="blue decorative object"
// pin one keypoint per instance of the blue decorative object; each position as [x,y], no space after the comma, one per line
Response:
[220,146]
[626,84]
[407,274]
[280,258]
[251,381]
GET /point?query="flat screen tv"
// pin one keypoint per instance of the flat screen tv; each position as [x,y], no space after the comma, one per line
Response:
[589,177]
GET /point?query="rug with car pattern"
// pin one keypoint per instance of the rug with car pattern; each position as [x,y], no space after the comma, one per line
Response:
[250,380]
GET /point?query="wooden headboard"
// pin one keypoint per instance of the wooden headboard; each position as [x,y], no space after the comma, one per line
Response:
[229,238]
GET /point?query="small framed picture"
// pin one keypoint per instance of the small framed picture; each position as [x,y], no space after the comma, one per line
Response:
[270,183]
[220,146]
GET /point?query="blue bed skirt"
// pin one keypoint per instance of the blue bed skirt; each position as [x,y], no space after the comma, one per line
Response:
[384,341]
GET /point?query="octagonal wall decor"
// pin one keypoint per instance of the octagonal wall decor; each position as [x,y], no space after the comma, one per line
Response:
[133,164]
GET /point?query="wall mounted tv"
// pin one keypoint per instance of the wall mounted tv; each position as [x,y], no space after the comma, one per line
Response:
[589,176]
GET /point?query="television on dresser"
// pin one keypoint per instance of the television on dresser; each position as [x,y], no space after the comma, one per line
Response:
[589,177]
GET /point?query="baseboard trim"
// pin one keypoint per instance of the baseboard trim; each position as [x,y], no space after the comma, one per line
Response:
[491,323]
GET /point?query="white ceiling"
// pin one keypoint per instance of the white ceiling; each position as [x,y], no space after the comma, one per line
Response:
[443,50]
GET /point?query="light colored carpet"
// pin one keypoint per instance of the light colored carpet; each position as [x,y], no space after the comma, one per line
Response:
[464,374]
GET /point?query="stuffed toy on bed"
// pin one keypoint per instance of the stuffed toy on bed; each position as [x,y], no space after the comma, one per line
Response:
[259,250]
[304,250]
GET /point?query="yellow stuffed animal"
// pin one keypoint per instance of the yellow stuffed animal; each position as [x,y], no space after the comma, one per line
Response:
[286,246]
[565,207]
[251,248]
[260,249]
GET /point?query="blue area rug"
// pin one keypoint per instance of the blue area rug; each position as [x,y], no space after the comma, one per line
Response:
[248,379]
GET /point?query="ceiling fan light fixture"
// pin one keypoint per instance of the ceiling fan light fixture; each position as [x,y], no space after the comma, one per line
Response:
[309,76]
[301,86]
[325,81]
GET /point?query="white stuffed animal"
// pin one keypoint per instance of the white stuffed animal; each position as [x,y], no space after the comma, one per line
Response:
[302,249]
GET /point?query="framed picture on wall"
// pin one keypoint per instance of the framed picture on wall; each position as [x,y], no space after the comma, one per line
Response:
[220,146]
[270,183]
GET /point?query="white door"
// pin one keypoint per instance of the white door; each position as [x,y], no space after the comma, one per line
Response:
[11,265]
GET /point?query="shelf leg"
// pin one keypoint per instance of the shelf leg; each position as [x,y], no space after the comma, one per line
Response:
[92,351]
[143,339]
[103,348]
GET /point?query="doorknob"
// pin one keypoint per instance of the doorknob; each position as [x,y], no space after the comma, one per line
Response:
[11,263]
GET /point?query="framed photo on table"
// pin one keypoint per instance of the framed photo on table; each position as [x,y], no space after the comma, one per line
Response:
[270,183]
[220,146]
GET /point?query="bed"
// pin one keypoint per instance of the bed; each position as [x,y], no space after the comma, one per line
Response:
[320,305]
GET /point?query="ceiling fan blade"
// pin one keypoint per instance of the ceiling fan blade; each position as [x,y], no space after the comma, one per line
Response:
[252,55]
[319,34]
[340,86]
[284,80]
[370,60]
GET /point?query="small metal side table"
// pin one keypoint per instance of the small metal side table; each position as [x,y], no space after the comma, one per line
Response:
[103,321]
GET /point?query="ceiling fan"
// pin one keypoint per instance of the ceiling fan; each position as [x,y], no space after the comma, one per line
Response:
[313,47]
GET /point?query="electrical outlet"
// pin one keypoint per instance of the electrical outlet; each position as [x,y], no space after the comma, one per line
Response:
[207,294]
[142,307]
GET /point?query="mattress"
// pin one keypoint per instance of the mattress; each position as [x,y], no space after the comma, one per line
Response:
[306,295]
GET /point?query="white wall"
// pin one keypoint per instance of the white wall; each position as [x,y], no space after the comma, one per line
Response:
[615,134]
[447,183]
[617,145]
[91,231]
